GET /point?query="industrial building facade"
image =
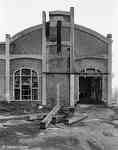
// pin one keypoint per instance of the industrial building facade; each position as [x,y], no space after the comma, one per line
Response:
[56,59]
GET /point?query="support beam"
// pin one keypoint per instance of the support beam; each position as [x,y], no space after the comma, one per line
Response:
[44,70]
[51,115]
[58,93]
[76,119]
[72,102]
[109,37]
[71,56]
[7,49]
[46,121]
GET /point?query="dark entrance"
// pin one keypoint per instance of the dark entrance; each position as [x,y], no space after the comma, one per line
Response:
[90,90]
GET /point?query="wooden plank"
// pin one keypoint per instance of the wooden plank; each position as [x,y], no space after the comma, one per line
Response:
[26,116]
[45,122]
[75,119]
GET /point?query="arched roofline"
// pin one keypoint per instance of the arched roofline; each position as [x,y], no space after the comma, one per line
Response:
[92,32]
[25,31]
[79,27]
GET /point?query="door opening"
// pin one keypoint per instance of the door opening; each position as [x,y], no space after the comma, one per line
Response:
[90,90]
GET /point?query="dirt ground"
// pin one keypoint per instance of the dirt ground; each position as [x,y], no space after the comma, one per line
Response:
[99,131]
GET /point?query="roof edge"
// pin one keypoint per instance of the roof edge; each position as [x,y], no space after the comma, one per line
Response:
[58,12]
[79,27]
[92,32]
[25,31]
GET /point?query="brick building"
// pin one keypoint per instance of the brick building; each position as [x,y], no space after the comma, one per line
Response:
[56,54]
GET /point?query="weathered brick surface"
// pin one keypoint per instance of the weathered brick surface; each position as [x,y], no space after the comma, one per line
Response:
[88,45]
[2,48]
[2,79]
[31,43]
[52,81]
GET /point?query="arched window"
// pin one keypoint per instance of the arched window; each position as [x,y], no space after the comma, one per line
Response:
[26,84]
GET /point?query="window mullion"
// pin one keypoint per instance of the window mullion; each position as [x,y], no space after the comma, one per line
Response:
[13,86]
[31,85]
[38,85]
[20,85]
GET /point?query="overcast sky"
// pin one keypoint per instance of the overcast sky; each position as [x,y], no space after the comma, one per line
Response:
[99,15]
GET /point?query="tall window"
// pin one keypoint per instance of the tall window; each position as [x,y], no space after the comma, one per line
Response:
[26,84]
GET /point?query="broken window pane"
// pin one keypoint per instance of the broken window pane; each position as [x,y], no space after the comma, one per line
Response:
[17,73]
[34,94]
[17,94]
[34,73]
[17,81]
[26,72]
[34,82]
[26,80]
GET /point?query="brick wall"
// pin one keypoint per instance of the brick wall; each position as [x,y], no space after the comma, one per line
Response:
[2,48]
[2,79]
[30,43]
[86,44]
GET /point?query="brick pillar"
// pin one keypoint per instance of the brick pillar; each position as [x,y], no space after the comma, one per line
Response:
[7,49]
[109,37]
[71,56]
[44,58]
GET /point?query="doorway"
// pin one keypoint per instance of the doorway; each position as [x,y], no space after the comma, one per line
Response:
[90,90]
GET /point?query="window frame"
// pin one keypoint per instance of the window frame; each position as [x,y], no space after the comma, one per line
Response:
[31,85]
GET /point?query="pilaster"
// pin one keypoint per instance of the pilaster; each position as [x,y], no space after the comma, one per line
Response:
[44,58]
[58,93]
[109,37]
[71,55]
[7,58]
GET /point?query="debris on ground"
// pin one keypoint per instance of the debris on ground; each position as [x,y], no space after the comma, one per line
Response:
[90,127]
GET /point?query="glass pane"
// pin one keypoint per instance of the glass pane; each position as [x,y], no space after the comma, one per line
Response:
[25,81]
[17,81]
[26,72]
[34,82]
[34,73]
[34,94]
[26,97]
[17,73]
[26,93]
[17,94]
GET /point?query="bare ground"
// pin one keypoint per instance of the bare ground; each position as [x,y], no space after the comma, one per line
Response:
[97,132]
